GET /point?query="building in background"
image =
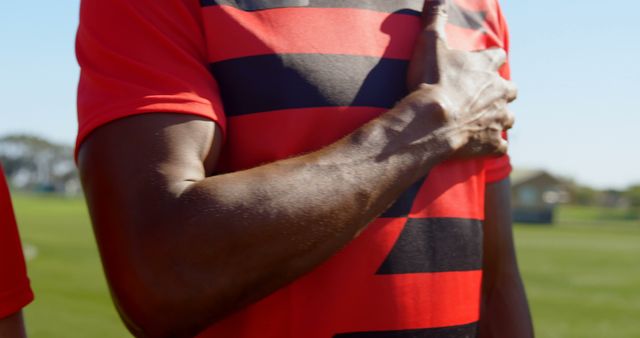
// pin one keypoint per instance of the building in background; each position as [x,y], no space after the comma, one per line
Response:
[535,195]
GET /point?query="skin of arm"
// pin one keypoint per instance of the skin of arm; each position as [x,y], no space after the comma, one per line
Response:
[182,247]
[12,326]
[505,311]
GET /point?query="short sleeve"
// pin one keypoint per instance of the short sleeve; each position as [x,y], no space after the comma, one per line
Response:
[15,291]
[499,168]
[142,56]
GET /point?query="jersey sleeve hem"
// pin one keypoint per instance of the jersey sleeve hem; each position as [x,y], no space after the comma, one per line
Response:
[13,301]
[147,106]
[498,169]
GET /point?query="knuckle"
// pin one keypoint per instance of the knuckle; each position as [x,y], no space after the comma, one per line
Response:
[425,87]
[510,90]
[496,56]
[511,120]
[500,56]
[514,90]
[499,147]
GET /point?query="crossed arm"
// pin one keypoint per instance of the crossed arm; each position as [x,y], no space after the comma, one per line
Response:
[182,248]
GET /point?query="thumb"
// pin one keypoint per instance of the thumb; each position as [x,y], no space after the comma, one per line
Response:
[434,17]
[425,65]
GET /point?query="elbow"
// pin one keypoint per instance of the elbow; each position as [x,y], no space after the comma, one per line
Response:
[156,308]
[150,290]
[144,322]
[148,309]
[160,284]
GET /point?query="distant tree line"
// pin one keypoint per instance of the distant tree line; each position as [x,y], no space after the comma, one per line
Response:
[583,195]
[626,199]
[32,163]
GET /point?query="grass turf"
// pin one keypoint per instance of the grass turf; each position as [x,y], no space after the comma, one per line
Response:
[72,300]
[582,275]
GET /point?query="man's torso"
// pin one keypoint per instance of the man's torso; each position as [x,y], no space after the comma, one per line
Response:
[297,75]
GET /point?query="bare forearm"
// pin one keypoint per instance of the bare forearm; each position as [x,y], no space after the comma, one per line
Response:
[505,311]
[269,225]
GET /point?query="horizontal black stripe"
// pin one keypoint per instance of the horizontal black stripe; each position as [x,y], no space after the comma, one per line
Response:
[411,7]
[457,15]
[404,203]
[461,17]
[436,245]
[461,331]
[288,81]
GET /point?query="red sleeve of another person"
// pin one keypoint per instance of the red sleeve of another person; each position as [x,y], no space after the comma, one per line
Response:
[499,168]
[142,56]
[15,291]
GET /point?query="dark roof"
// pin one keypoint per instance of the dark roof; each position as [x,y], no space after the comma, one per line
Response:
[520,176]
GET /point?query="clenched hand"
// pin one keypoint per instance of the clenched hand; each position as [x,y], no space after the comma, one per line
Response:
[470,94]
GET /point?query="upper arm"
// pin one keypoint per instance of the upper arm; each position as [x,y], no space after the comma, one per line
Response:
[149,112]
[133,171]
[150,122]
[160,151]
[499,251]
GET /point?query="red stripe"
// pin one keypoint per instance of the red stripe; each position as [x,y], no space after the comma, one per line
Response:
[452,189]
[234,33]
[345,295]
[467,39]
[265,137]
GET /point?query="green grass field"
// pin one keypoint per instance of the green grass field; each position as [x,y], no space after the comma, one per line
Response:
[72,300]
[582,275]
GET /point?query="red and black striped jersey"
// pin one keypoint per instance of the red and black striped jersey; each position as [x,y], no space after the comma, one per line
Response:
[15,291]
[285,77]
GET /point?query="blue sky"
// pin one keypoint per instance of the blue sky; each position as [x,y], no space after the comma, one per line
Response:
[575,63]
